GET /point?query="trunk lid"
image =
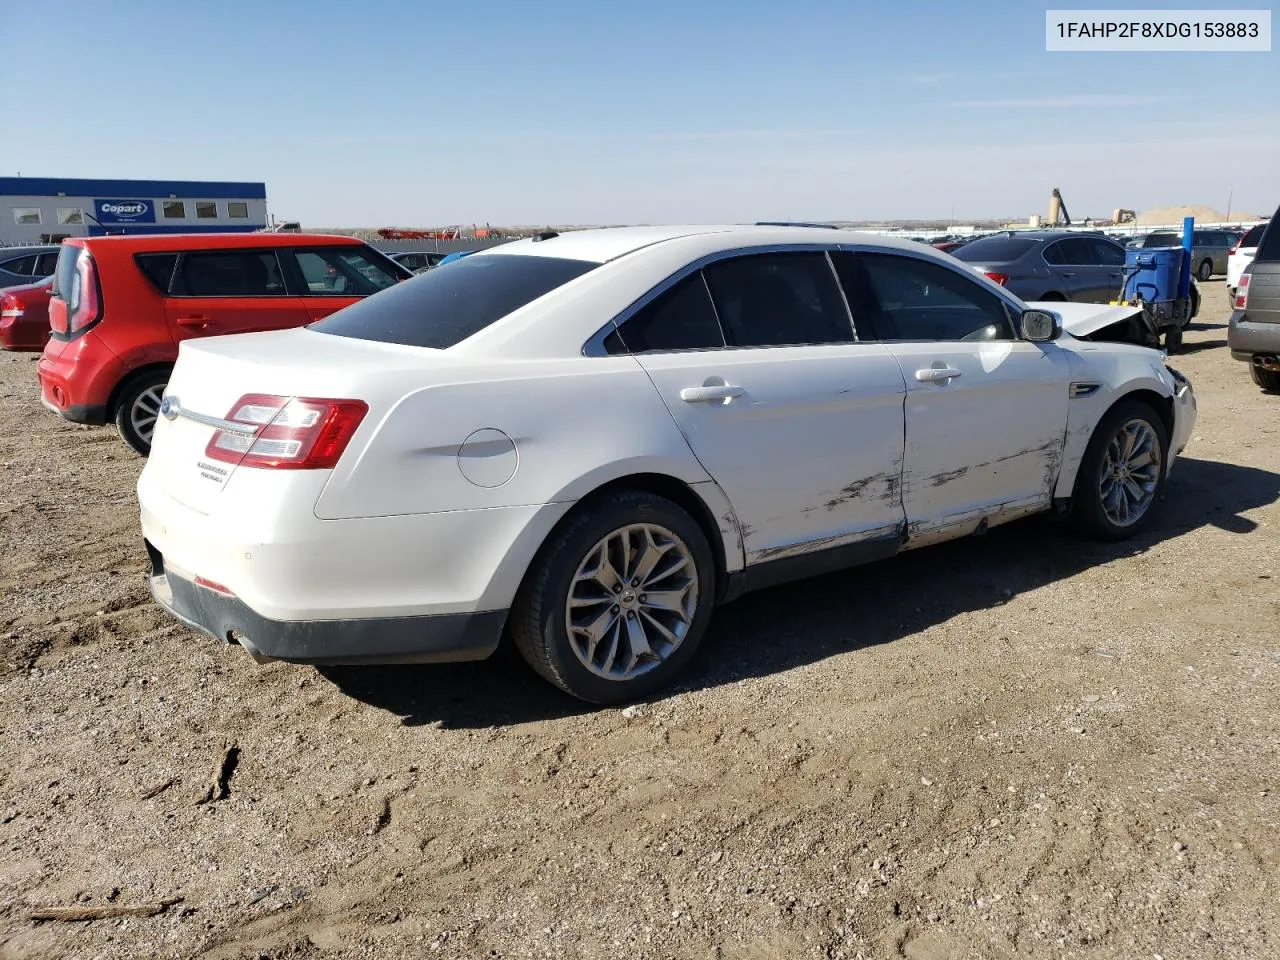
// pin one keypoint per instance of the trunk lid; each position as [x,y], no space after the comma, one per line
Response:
[212,374]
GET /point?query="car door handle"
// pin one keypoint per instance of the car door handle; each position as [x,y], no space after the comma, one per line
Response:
[707,394]
[934,374]
[195,321]
[1067,273]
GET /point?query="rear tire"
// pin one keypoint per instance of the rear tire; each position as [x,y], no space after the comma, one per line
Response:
[1173,339]
[1122,473]
[595,565]
[138,408]
[1053,298]
[1205,271]
[1268,380]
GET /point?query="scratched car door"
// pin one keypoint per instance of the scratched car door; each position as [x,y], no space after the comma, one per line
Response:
[799,424]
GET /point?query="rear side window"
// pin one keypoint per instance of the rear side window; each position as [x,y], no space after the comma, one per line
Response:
[995,249]
[228,273]
[158,268]
[775,300]
[1269,245]
[342,272]
[442,307]
[681,318]
[1106,253]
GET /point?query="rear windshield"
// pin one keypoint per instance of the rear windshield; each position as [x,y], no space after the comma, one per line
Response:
[1162,240]
[64,273]
[1251,238]
[995,249]
[446,305]
[1269,245]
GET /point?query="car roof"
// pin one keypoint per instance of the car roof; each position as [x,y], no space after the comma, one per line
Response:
[600,245]
[214,241]
[8,253]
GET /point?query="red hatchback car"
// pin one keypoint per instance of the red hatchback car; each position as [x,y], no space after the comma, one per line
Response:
[122,305]
[24,316]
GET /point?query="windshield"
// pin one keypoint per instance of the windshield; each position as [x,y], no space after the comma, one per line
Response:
[445,306]
[995,249]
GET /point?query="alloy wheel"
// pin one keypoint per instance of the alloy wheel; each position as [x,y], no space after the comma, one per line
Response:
[145,410]
[631,601]
[1130,473]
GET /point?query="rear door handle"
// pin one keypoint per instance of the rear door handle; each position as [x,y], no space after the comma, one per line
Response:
[708,394]
[196,321]
[1067,273]
[934,374]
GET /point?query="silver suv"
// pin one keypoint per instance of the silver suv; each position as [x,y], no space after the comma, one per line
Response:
[1254,331]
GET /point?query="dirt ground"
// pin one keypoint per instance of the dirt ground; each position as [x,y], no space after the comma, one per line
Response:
[1017,745]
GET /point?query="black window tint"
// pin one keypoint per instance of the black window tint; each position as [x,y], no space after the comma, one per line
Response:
[442,307]
[995,249]
[22,266]
[158,268]
[342,272]
[909,299]
[229,273]
[783,299]
[1077,251]
[1251,238]
[47,263]
[1162,240]
[1269,245]
[1054,254]
[682,318]
[1107,253]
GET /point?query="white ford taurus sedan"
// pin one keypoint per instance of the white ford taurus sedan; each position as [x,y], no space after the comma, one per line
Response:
[585,441]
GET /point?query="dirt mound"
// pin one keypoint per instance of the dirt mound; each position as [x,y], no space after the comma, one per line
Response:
[1176,214]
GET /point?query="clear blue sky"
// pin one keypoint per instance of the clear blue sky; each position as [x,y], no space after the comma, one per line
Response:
[403,112]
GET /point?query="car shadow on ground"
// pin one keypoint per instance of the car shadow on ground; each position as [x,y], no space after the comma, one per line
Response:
[1196,346]
[802,623]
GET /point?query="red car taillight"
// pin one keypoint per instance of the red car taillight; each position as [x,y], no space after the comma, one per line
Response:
[1000,278]
[10,306]
[82,303]
[1242,293]
[294,433]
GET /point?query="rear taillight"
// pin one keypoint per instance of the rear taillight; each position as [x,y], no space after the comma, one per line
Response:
[83,299]
[10,306]
[294,433]
[1242,293]
[1234,250]
[1000,278]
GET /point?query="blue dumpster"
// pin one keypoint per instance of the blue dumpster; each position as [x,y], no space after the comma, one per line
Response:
[1152,274]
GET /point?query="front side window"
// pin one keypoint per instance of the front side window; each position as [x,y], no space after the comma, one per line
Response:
[681,318]
[228,273]
[26,215]
[903,298]
[174,210]
[442,307]
[237,210]
[778,299]
[342,272]
[1107,253]
[70,216]
[206,210]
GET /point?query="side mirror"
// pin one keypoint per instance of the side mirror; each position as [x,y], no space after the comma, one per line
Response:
[1039,326]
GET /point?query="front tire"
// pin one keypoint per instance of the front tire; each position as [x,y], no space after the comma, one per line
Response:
[1122,472]
[616,602]
[138,408]
[1205,271]
[1268,380]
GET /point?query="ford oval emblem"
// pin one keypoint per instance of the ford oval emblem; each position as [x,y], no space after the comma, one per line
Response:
[170,408]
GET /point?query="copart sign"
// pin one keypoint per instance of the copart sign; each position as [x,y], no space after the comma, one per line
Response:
[124,211]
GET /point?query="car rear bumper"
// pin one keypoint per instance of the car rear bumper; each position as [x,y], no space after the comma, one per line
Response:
[1248,338]
[77,378]
[440,638]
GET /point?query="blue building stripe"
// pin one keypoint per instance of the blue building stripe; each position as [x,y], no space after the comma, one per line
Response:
[131,189]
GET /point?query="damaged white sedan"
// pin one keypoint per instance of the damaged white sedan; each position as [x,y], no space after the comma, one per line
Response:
[585,441]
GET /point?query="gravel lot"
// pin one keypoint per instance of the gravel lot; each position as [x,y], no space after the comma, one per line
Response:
[1017,745]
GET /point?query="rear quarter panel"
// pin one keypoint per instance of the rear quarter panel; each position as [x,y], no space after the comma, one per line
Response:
[133,324]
